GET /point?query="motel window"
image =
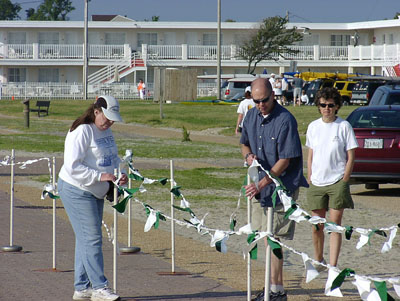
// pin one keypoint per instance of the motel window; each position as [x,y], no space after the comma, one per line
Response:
[210,39]
[340,40]
[49,38]
[17,37]
[115,38]
[48,75]
[16,75]
[146,38]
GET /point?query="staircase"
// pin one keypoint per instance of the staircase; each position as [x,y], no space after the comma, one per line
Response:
[110,73]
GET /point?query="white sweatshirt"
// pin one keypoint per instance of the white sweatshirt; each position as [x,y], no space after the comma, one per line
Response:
[88,153]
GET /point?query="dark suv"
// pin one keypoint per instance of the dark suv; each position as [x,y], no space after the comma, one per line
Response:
[386,95]
[364,90]
[316,85]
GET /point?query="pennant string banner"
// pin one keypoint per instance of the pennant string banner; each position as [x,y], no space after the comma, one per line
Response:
[219,238]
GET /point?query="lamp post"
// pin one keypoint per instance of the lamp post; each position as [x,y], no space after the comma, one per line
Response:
[85,51]
[219,50]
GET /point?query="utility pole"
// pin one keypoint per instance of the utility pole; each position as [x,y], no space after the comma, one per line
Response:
[85,52]
[219,51]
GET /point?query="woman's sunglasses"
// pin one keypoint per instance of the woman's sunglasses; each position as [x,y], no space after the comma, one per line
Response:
[330,105]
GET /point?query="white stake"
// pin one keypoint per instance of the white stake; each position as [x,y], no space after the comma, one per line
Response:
[172,218]
[115,235]
[54,215]
[248,255]
[268,255]
[11,247]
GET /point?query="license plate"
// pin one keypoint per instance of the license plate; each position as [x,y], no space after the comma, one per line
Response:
[373,143]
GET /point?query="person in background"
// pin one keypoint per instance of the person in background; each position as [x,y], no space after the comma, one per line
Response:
[245,105]
[298,84]
[331,146]
[272,80]
[270,136]
[141,89]
[278,90]
[90,157]
[285,88]
[304,98]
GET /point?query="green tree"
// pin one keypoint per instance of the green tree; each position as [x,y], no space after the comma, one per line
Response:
[397,15]
[155,18]
[51,10]
[271,41]
[9,11]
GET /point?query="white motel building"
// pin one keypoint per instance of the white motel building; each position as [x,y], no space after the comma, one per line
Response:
[45,58]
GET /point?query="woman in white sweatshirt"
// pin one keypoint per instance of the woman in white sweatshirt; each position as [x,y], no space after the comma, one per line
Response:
[90,157]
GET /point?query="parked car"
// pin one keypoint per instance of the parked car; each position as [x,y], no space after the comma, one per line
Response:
[377,159]
[238,96]
[364,90]
[317,84]
[345,88]
[386,95]
[237,85]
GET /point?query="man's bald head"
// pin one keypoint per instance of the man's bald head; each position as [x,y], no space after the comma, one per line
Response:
[261,86]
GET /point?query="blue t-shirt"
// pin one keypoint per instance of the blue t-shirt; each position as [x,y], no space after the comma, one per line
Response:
[270,139]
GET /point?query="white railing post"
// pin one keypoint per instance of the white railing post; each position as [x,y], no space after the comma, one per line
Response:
[184,52]
[127,51]
[35,51]
[360,53]
[316,52]
[349,53]
[144,52]
[373,51]
[233,51]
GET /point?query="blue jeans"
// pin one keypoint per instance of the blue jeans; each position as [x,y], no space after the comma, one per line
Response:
[85,213]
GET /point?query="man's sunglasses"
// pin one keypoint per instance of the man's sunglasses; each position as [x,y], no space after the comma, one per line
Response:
[323,105]
[257,101]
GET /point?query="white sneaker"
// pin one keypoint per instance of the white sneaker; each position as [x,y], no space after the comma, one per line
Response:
[103,294]
[85,294]
[321,266]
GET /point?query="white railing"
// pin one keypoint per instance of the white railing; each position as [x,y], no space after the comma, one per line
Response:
[111,73]
[20,51]
[164,52]
[191,52]
[334,53]
[209,52]
[106,51]
[34,90]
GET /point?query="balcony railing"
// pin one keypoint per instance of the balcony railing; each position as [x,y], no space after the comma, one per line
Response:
[39,90]
[192,52]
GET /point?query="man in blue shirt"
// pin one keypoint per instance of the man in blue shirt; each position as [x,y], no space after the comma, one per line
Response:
[270,135]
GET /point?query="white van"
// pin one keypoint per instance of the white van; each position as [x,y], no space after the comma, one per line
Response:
[237,85]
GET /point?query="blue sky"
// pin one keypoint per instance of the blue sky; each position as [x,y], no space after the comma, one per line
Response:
[240,10]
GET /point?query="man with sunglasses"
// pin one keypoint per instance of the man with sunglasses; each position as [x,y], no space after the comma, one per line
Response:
[270,135]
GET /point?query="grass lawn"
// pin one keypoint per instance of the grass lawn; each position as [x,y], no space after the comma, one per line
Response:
[47,134]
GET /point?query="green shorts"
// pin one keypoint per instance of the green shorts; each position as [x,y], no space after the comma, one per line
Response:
[282,228]
[335,196]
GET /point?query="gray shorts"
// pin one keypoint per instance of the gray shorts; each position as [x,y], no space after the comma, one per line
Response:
[296,93]
[282,228]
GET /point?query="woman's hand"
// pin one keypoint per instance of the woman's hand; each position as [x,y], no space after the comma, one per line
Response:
[107,177]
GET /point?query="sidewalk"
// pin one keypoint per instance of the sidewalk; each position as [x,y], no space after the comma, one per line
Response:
[28,275]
